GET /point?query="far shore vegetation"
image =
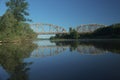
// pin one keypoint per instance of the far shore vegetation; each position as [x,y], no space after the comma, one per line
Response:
[109,32]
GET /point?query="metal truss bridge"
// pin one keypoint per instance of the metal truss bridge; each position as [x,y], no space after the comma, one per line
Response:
[43,29]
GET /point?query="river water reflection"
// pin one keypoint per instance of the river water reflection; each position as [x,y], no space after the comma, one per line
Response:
[61,60]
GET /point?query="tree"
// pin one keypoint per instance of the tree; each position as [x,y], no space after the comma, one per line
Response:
[18,8]
[74,34]
[7,22]
[70,29]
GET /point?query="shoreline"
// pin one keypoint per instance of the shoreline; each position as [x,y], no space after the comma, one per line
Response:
[20,41]
[16,41]
[82,39]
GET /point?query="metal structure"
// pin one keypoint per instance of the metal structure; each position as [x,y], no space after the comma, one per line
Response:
[41,28]
[87,28]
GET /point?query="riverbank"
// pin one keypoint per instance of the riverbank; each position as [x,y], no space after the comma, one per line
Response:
[80,39]
[16,41]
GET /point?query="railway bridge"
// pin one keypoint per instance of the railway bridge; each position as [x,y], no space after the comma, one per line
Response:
[43,28]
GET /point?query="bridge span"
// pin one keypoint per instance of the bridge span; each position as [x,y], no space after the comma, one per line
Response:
[43,29]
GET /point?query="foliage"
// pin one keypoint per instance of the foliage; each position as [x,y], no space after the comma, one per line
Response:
[72,35]
[12,23]
[112,31]
[7,24]
[7,21]
[18,8]
[9,31]
[86,36]
[109,32]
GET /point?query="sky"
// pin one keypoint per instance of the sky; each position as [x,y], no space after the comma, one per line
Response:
[72,13]
[69,13]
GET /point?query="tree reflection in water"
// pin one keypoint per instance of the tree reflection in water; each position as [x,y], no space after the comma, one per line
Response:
[11,59]
[92,46]
[12,55]
[104,45]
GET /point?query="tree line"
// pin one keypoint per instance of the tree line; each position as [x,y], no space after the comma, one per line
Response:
[73,34]
[109,32]
[13,23]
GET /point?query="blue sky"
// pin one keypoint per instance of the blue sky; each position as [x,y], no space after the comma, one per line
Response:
[71,13]
[75,12]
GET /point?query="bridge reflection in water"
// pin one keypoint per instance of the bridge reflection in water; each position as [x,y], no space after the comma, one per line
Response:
[81,48]
[44,51]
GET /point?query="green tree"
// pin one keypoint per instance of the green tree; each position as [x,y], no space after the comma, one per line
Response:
[7,20]
[12,24]
[70,29]
[73,34]
[18,8]
[112,31]
[7,23]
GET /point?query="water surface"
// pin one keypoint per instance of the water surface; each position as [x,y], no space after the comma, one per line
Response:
[61,60]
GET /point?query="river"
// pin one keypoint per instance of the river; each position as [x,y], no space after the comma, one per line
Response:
[61,60]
